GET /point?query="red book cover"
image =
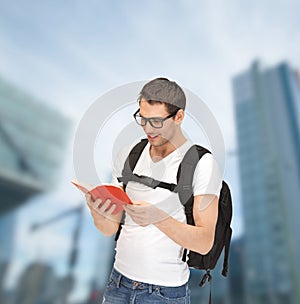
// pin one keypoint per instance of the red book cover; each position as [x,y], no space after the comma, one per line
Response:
[116,194]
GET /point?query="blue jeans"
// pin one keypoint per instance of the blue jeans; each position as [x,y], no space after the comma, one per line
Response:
[121,290]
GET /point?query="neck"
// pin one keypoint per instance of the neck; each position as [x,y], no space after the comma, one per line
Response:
[159,152]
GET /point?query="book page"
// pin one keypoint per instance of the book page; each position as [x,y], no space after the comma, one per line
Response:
[84,187]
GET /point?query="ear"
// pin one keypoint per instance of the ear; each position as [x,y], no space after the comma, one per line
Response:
[179,117]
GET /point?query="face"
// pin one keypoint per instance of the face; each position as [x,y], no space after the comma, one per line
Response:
[161,136]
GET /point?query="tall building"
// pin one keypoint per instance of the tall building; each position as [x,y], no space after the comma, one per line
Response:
[33,139]
[37,284]
[219,285]
[237,270]
[7,225]
[267,103]
[7,228]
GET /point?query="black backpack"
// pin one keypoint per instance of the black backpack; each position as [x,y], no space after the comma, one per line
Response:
[184,189]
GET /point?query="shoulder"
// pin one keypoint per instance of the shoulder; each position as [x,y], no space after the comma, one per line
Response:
[207,165]
[207,160]
[207,177]
[118,161]
[123,152]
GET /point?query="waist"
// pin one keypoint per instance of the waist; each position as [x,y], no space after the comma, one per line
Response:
[148,255]
[121,279]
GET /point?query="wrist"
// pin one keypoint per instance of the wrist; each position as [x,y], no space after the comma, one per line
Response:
[162,219]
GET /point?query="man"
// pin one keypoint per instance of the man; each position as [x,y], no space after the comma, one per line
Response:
[148,266]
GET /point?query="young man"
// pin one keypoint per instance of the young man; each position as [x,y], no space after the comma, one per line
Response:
[148,265]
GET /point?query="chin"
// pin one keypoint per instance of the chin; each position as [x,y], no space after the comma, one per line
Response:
[158,143]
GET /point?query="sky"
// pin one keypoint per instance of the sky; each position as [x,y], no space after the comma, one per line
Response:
[69,53]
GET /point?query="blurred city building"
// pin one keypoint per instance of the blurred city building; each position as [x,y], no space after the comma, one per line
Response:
[237,272]
[267,107]
[219,286]
[65,283]
[7,224]
[33,140]
[7,229]
[37,284]
[103,262]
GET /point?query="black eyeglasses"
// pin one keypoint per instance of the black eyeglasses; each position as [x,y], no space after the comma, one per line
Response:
[155,122]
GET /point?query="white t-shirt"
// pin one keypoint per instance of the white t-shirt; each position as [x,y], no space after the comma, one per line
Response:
[146,254]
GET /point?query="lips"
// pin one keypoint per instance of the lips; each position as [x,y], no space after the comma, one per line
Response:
[152,136]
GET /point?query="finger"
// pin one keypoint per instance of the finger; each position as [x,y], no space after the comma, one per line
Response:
[104,206]
[95,204]
[94,212]
[129,210]
[126,208]
[111,209]
[138,203]
[88,198]
[130,207]
[90,204]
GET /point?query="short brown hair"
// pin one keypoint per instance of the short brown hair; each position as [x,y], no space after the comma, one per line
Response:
[162,90]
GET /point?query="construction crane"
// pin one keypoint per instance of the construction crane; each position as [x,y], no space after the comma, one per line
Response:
[67,283]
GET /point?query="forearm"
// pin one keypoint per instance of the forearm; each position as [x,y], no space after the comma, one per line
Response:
[102,213]
[198,239]
[107,226]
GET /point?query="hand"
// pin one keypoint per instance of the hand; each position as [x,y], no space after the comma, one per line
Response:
[144,213]
[99,208]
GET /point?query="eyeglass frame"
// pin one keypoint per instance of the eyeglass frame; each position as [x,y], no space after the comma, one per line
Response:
[148,119]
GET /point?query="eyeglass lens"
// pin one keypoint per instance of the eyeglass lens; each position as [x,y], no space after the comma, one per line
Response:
[154,122]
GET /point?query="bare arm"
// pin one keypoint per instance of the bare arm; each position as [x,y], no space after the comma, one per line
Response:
[198,238]
[106,222]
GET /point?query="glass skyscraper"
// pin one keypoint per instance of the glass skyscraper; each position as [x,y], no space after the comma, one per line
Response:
[267,102]
[33,139]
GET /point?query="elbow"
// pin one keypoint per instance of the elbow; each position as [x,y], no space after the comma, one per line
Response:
[205,245]
[205,249]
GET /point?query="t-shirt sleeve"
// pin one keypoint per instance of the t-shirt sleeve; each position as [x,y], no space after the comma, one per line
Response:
[207,176]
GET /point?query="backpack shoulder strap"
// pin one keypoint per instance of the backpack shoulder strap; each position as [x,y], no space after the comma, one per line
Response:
[127,171]
[129,165]
[131,162]
[185,174]
[225,203]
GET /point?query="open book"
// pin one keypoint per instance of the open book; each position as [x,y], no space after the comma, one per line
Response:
[116,194]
